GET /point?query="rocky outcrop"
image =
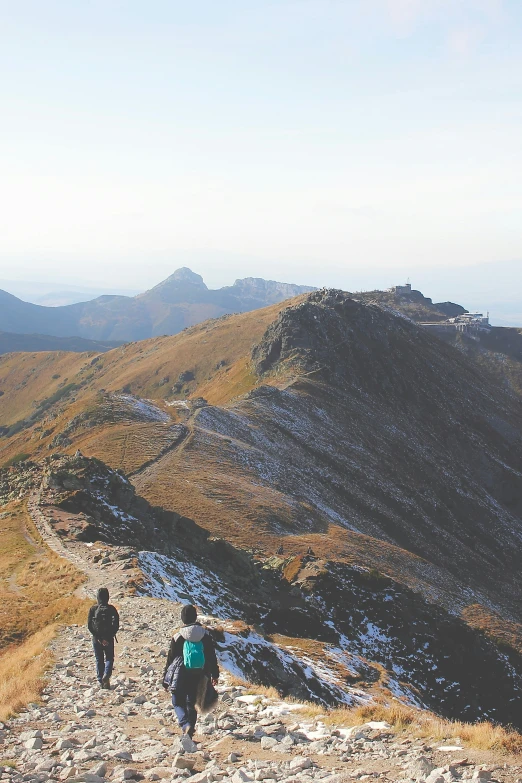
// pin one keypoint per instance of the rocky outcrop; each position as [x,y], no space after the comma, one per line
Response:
[311,334]
[254,292]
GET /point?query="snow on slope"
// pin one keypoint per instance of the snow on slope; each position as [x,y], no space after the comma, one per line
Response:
[145,409]
[181,581]
[248,654]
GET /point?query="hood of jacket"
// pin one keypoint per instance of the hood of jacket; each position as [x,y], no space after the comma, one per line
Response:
[102,596]
[193,633]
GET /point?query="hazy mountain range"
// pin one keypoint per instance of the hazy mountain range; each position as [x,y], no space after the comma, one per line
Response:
[495,287]
[181,300]
[56,294]
[29,343]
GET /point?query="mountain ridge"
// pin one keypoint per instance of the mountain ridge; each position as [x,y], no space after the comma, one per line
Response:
[325,428]
[178,302]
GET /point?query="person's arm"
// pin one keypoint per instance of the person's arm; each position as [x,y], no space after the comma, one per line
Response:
[211,663]
[115,621]
[90,620]
[175,650]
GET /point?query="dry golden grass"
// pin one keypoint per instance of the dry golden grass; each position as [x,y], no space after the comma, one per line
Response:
[506,635]
[30,377]
[36,586]
[481,736]
[217,352]
[229,383]
[291,570]
[416,723]
[36,596]
[127,446]
[22,670]
[259,690]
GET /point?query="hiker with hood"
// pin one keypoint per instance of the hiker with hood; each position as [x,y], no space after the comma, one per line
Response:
[103,623]
[191,671]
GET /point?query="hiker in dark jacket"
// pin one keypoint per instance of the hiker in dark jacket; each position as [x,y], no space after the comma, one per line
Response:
[103,623]
[191,663]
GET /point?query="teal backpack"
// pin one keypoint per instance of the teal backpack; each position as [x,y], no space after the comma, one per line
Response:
[193,655]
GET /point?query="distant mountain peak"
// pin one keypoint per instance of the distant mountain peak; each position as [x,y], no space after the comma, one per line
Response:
[185,275]
[183,285]
[178,280]
[257,289]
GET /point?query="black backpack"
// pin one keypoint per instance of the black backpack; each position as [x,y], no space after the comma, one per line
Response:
[102,622]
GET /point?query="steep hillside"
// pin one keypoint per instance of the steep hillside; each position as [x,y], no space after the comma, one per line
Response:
[328,426]
[180,301]
[44,391]
[36,593]
[312,627]
[368,424]
[78,732]
[384,431]
[497,350]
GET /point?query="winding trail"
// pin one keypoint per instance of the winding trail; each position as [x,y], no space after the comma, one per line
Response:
[79,554]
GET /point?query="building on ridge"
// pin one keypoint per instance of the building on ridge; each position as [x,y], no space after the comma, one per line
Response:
[401,290]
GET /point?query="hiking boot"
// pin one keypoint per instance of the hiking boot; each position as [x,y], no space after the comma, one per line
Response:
[100,684]
[106,683]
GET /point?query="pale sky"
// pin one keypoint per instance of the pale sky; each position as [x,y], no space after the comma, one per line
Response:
[286,139]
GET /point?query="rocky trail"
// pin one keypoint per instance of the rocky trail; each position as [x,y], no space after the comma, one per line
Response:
[82,734]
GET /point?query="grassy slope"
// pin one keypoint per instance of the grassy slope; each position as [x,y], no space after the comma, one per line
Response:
[214,352]
[220,498]
[36,595]
[29,377]
[235,513]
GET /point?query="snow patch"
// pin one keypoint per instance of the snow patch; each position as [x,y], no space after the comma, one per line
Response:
[183,582]
[144,408]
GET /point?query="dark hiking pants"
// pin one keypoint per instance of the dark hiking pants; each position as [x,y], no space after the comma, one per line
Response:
[184,698]
[104,658]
